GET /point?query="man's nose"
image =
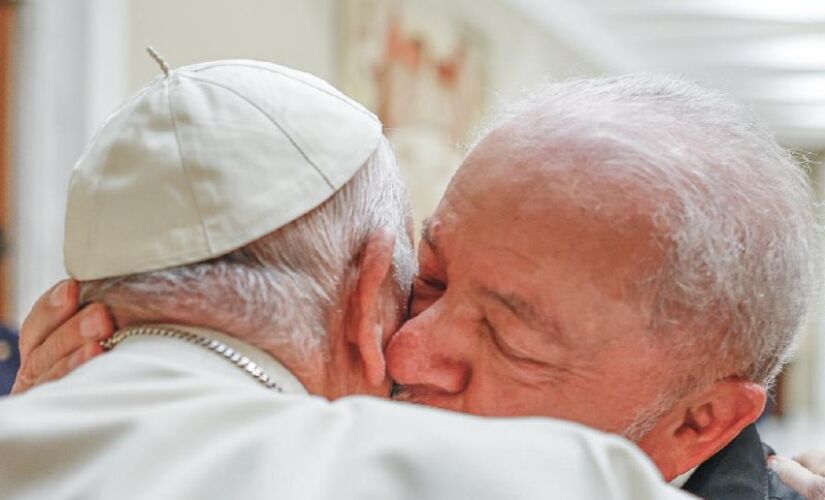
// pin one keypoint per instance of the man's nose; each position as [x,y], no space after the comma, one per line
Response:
[424,353]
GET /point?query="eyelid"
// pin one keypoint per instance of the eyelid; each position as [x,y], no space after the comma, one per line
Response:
[505,348]
[434,284]
[496,338]
[425,291]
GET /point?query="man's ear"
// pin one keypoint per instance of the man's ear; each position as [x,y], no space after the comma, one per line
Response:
[370,300]
[702,424]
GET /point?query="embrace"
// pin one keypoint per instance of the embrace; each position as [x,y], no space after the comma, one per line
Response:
[629,258]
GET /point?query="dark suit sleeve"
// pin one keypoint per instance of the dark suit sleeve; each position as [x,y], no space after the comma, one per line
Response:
[9,359]
[740,472]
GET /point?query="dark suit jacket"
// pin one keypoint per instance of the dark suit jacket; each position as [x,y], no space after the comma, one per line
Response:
[740,472]
[9,359]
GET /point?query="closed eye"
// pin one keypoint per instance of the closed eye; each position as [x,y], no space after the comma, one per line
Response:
[424,293]
[508,350]
[433,284]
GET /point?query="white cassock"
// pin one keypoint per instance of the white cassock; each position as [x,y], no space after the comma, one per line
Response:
[162,419]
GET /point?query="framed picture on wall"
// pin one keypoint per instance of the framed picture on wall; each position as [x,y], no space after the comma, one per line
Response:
[424,73]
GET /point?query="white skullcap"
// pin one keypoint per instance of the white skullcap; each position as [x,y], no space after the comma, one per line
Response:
[206,159]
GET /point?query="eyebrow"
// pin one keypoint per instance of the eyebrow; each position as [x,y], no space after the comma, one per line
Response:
[526,311]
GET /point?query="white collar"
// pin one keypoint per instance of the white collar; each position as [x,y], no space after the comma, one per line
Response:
[199,358]
[681,479]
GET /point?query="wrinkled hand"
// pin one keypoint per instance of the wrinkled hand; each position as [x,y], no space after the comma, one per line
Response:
[805,474]
[57,336]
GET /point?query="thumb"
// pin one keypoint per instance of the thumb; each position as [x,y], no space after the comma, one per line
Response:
[808,484]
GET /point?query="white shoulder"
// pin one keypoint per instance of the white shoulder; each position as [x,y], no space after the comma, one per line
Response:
[408,451]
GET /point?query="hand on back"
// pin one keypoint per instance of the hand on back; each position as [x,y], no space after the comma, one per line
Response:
[805,473]
[58,336]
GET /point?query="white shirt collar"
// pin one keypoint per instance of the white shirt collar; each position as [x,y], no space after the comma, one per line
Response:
[681,479]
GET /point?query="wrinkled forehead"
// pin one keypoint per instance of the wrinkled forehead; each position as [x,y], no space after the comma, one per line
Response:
[546,205]
[511,173]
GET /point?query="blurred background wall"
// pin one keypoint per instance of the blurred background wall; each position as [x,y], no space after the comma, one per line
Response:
[431,68]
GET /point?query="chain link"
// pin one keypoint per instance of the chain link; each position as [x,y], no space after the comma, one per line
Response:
[219,348]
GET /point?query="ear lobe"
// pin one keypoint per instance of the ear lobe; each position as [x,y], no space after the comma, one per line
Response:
[734,405]
[374,272]
[715,417]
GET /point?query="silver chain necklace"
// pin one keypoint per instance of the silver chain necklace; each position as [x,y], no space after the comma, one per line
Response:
[219,348]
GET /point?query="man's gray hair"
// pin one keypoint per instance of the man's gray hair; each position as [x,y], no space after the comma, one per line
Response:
[284,287]
[733,212]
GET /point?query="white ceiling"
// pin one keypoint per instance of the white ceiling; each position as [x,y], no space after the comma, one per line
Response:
[769,53]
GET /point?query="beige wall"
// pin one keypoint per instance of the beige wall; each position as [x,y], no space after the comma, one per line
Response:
[296,33]
[304,34]
[523,53]
[806,374]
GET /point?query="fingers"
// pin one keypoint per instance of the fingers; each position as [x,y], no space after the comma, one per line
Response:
[70,362]
[813,460]
[808,484]
[90,325]
[50,311]
[22,383]
[54,355]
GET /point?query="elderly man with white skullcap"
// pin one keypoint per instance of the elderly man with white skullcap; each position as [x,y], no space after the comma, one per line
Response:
[249,230]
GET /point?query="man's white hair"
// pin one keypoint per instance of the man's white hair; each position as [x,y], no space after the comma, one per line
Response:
[733,212]
[284,287]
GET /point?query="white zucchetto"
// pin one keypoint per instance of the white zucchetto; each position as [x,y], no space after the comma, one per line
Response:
[206,159]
